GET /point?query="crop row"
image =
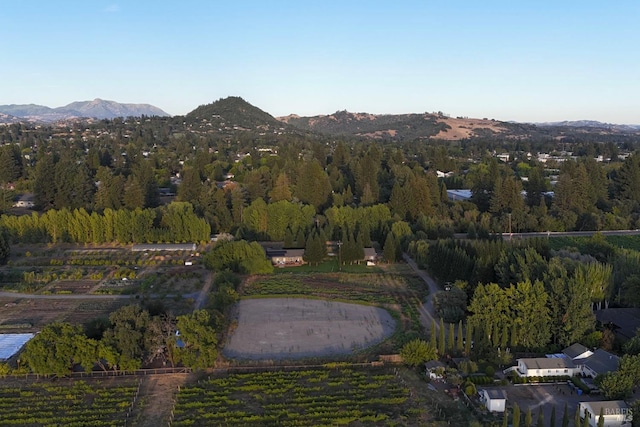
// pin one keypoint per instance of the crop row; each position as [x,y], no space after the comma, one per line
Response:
[297,398]
[70,404]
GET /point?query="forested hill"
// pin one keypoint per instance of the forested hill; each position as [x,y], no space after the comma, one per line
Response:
[410,127]
[235,112]
[386,126]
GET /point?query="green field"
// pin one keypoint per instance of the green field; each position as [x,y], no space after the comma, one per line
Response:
[309,397]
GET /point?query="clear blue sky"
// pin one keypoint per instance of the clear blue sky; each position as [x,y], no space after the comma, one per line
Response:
[510,60]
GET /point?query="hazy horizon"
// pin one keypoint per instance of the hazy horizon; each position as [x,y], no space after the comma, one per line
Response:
[542,62]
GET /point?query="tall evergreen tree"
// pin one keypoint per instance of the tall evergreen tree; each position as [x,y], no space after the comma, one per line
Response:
[44,185]
[4,248]
[528,418]
[516,415]
[441,339]
[433,337]
[451,342]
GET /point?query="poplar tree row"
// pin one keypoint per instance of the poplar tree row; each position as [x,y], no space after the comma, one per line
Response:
[175,222]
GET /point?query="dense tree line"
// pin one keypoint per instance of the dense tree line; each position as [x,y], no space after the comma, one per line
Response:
[175,222]
[131,338]
[284,182]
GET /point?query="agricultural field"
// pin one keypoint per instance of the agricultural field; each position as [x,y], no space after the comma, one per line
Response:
[32,314]
[307,397]
[68,402]
[44,269]
[74,283]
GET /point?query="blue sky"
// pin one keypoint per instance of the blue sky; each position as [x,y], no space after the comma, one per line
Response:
[509,60]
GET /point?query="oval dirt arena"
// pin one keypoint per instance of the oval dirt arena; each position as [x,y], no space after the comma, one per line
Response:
[286,328]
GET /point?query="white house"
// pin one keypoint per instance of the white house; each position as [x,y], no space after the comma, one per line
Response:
[494,399]
[614,412]
[546,367]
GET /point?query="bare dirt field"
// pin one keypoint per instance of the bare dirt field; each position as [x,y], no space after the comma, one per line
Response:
[287,328]
[464,128]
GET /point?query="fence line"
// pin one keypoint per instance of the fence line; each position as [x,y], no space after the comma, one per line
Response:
[213,371]
[103,374]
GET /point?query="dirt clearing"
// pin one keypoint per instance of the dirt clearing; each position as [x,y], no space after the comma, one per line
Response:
[287,328]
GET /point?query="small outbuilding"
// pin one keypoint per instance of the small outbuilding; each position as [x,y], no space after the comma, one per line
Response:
[283,257]
[494,399]
[157,247]
[614,412]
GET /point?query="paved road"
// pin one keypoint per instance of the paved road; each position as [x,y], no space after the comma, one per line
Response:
[552,234]
[427,311]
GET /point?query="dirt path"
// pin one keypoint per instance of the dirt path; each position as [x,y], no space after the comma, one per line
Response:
[158,392]
[202,297]
[4,294]
[427,311]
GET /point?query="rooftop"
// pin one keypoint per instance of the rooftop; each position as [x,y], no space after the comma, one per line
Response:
[495,393]
[548,363]
[576,350]
[601,361]
[625,320]
[10,344]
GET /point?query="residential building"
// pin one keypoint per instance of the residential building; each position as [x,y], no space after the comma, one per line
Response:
[615,412]
[282,257]
[599,363]
[546,367]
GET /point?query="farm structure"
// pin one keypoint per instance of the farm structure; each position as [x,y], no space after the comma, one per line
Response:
[10,344]
[157,247]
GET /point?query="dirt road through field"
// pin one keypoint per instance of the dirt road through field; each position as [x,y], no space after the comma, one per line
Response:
[427,311]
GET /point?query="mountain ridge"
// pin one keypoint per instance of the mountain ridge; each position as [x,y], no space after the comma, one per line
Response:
[97,108]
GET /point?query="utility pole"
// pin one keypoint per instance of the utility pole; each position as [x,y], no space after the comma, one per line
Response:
[339,254]
[510,226]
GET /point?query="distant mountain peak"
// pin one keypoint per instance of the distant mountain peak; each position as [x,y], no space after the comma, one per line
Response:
[98,108]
